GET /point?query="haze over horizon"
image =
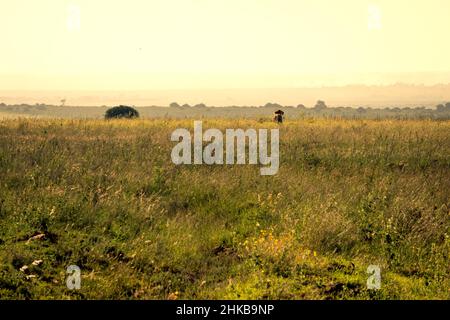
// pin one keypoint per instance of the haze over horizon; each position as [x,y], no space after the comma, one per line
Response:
[399,95]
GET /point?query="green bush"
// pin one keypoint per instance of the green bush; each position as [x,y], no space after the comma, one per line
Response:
[121,112]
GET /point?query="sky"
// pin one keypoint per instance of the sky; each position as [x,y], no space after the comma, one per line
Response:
[181,44]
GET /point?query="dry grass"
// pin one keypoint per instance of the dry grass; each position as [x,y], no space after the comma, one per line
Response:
[105,196]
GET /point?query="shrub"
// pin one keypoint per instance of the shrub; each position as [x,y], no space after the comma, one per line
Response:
[121,112]
[320,105]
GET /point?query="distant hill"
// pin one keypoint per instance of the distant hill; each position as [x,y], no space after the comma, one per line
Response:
[399,95]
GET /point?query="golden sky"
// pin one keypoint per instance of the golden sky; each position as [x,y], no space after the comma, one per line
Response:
[168,44]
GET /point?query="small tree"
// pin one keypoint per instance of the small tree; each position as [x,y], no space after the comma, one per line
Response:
[272,105]
[121,112]
[320,105]
[440,108]
[174,105]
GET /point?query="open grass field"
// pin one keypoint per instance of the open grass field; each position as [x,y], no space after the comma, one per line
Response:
[104,195]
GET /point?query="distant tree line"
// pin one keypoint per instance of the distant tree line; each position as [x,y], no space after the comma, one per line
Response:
[319,110]
[319,106]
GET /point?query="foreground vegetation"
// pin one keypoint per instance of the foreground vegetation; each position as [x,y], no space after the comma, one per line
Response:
[104,195]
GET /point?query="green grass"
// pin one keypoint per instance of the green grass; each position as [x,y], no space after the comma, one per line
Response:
[104,195]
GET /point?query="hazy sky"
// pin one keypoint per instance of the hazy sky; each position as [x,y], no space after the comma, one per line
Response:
[144,44]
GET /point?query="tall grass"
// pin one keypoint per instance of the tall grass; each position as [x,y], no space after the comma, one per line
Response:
[104,195]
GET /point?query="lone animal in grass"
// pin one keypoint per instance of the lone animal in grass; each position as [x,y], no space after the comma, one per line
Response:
[278,118]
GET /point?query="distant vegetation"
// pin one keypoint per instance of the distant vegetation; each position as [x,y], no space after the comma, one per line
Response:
[176,110]
[121,112]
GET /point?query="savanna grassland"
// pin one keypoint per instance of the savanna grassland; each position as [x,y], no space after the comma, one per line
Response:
[104,195]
